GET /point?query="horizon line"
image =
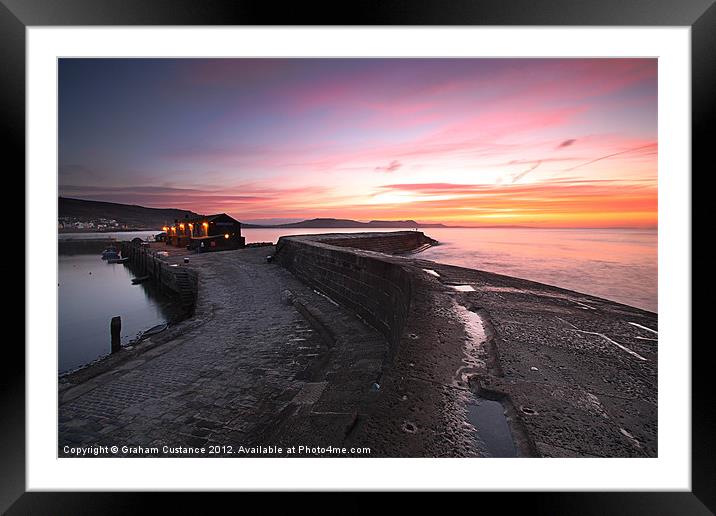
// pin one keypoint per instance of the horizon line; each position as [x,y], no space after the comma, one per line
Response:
[456,224]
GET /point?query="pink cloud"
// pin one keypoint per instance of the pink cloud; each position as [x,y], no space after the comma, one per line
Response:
[390,167]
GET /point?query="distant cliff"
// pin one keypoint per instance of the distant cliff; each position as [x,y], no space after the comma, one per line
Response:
[347,223]
[126,214]
[140,217]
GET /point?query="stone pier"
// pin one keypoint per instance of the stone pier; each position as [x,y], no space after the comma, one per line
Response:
[349,341]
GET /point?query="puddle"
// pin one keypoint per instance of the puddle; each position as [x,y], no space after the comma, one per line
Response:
[488,418]
[473,350]
[325,296]
[511,290]
[628,435]
[584,306]
[463,288]
[539,293]
[432,272]
[624,348]
[644,328]
[409,427]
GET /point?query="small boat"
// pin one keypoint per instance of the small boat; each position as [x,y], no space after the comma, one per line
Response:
[140,279]
[154,330]
[118,260]
[110,253]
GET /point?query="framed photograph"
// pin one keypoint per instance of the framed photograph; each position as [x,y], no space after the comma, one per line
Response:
[417,248]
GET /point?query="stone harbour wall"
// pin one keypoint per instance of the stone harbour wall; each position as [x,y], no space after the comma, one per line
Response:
[180,281]
[72,246]
[377,290]
[390,243]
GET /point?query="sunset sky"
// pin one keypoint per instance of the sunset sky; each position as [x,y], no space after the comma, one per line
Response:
[539,142]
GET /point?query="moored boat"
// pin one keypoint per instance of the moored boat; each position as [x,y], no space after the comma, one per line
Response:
[154,330]
[110,253]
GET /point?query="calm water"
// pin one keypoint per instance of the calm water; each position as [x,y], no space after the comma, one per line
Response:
[109,235]
[87,302]
[620,265]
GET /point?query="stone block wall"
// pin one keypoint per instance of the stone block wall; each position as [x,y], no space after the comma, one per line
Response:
[377,289]
[181,281]
[388,243]
[84,246]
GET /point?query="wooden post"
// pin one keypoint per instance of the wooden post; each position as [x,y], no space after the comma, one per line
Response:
[114,328]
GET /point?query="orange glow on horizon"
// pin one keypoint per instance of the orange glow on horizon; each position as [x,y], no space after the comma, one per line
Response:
[548,204]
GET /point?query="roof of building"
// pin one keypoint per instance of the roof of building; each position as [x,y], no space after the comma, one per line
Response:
[216,215]
[209,218]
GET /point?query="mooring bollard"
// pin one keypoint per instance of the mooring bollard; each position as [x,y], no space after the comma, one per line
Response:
[115,327]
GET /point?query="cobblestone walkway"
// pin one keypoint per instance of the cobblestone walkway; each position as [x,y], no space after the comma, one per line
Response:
[254,371]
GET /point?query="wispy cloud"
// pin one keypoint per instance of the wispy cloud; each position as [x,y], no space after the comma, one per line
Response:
[253,199]
[523,174]
[651,146]
[390,167]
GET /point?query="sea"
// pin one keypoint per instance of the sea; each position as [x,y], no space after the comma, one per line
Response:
[91,292]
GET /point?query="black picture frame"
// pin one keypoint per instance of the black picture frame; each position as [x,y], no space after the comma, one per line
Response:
[699,15]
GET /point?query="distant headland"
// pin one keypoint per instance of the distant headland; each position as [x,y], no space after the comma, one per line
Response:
[86,215]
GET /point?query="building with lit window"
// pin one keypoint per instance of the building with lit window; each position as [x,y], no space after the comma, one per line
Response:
[208,233]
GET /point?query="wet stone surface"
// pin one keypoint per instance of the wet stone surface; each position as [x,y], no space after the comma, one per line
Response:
[248,367]
[577,374]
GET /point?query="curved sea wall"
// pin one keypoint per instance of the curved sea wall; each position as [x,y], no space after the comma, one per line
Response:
[348,269]
[398,242]
[180,281]
[72,246]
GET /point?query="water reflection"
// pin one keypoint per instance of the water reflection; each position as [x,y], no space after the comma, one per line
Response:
[615,264]
[488,418]
[90,293]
